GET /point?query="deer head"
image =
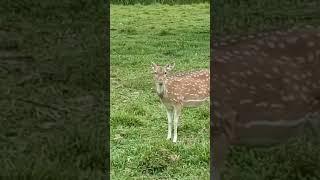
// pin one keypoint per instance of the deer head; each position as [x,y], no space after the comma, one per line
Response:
[160,76]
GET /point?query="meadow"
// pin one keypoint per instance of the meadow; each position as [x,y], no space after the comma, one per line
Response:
[162,34]
[138,151]
[150,2]
[53,90]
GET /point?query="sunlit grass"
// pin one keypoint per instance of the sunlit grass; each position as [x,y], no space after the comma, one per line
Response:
[161,34]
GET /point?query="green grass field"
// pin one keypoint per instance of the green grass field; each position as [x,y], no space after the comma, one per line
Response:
[52,92]
[161,34]
[142,34]
[148,2]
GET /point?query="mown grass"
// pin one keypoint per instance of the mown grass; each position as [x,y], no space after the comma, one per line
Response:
[297,159]
[53,77]
[161,34]
[243,17]
[148,2]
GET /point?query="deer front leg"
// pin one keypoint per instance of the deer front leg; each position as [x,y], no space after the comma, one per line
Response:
[177,112]
[170,119]
[220,151]
[223,133]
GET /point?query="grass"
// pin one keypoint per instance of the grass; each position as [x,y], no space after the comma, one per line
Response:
[162,34]
[52,90]
[243,17]
[148,2]
[297,159]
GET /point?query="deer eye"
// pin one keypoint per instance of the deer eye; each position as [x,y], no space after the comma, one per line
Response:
[165,72]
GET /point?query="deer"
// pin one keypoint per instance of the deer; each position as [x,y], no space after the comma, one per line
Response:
[176,91]
[265,87]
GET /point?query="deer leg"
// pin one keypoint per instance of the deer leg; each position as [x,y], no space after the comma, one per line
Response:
[314,125]
[219,146]
[170,119]
[220,151]
[177,112]
[223,133]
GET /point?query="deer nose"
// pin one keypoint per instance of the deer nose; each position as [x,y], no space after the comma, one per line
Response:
[160,83]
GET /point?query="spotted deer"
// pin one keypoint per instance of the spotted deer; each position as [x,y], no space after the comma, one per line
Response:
[180,90]
[265,86]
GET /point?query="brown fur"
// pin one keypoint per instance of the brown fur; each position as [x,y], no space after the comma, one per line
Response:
[264,86]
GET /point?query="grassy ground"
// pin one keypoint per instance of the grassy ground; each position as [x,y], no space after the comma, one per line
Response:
[243,17]
[52,93]
[162,34]
[148,2]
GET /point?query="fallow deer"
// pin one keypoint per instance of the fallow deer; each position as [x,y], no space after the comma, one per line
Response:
[180,90]
[264,86]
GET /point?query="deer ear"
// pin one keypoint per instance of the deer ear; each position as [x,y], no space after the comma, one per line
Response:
[169,67]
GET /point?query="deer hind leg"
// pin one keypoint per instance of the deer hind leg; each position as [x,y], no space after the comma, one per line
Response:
[313,125]
[170,114]
[177,112]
